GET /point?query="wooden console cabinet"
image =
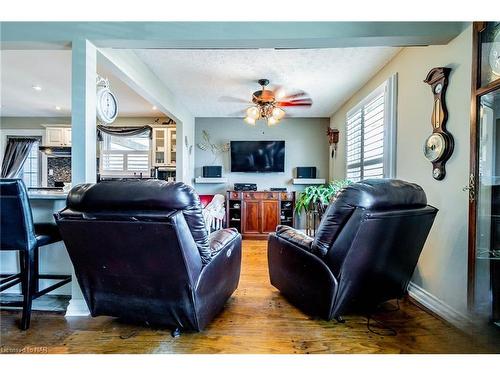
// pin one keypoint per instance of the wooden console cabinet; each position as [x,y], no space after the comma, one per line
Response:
[257,213]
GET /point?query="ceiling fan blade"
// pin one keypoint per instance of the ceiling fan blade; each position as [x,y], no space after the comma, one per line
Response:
[295,95]
[286,104]
[232,99]
[281,94]
[278,90]
[296,103]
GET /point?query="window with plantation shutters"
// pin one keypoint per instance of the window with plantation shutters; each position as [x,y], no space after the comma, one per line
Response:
[125,156]
[370,135]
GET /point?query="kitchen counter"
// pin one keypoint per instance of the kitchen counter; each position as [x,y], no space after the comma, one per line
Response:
[51,194]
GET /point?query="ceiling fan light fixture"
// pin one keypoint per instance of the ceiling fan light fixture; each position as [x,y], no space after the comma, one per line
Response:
[278,113]
[267,104]
[249,120]
[253,112]
[271,121]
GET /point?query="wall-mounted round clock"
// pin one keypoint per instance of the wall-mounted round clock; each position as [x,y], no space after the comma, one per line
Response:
[489,53]
[494,58]
[438,147]
[106,105]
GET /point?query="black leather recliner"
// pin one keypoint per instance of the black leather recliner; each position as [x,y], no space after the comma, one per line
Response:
[364,252]
[141,252]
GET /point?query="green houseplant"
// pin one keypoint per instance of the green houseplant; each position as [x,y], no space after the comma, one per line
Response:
[317,197]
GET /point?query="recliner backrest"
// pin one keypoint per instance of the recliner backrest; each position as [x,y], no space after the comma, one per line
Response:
[345,211]
[376,261]
[135,248]
[17,230]
[131,197]
[376,249]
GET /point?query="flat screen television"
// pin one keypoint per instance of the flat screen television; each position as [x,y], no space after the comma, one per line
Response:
[258,156]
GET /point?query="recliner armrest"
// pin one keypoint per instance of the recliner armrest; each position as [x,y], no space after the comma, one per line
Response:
[294,236]
[219,239]
[219,278]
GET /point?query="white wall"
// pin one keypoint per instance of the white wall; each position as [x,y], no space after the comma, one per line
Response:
[306,145]
[36,122]
[31,122]
[442,268]
[32,126]
[130,69]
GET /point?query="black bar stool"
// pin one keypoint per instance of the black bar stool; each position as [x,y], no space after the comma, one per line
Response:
[18,232]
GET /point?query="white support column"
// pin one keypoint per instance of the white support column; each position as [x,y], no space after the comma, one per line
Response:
[83,136]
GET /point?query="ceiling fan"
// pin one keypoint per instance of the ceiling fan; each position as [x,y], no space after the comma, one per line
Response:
[268,103]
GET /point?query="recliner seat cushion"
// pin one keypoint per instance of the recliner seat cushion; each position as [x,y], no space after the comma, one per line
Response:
[149,195]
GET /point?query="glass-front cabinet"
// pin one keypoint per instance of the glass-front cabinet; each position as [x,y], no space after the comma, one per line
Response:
[487,254]
[172,146]
[484,187]
[164,147]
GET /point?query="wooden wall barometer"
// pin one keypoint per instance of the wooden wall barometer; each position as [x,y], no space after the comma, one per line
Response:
[438,146]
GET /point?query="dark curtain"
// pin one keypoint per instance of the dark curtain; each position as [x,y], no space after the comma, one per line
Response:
[16,153]
[124,131]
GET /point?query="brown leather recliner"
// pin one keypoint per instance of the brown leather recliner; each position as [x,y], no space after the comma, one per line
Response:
[141,252]
[364,251]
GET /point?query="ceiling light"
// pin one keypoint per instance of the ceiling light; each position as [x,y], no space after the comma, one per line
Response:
[58,108]
[249,120]
[36,87]
[272,121]
[253,112]
[278,113]
[154,108]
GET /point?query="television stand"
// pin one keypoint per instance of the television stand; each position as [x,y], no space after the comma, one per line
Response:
[257,213]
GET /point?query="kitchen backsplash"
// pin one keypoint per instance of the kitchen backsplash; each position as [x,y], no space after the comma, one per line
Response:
[61,168]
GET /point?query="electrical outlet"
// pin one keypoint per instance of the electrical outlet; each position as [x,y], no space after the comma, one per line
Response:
[51,172]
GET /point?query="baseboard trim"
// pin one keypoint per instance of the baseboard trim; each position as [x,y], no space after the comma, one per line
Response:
[77,307]
[438,307]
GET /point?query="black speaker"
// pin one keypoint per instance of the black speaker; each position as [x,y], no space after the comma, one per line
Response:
[306,172]
[245,187]
[212,171]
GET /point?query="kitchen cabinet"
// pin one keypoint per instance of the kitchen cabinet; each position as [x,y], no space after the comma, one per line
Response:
[57,136]
[164,147]
[270,215]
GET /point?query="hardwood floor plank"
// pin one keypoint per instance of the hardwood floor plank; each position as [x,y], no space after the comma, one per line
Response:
[256,319]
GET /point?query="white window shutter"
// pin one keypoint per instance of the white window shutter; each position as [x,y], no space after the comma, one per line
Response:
[370,135]
[124,156]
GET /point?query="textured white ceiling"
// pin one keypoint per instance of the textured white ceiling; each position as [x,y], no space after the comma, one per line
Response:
[21,69]
[204,80]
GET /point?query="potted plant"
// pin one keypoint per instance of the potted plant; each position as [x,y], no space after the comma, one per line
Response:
[315,199]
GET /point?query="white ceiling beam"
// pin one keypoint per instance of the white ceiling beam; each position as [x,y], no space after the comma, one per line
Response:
[38,35]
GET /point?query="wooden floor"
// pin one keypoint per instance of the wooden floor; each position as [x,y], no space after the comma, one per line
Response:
[256,320]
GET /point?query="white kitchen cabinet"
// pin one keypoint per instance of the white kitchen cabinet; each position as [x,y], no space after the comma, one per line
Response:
[67,136]
[58,136]
[164,147]
[172,146]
